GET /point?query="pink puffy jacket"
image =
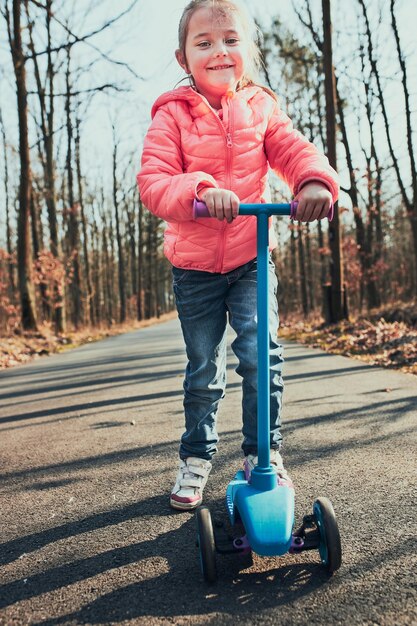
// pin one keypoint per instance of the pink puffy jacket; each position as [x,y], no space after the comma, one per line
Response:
[188,147]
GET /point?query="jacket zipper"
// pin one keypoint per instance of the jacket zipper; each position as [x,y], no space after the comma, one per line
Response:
[229,145]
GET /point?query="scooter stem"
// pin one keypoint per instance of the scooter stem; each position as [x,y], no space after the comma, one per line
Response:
[263,342]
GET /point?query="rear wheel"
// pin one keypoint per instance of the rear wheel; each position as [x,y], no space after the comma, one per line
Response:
[330,547]
[206,544]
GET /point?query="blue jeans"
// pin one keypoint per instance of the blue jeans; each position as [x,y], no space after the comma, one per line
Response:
[204,301]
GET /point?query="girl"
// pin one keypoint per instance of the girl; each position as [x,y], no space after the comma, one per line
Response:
[215,140]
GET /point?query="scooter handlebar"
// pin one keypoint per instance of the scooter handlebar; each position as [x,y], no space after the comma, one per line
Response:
[200,209]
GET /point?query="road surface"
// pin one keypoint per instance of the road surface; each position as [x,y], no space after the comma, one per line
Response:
[88,455]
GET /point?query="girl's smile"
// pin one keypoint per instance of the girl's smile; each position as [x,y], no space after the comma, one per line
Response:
[215,53]
[220,67]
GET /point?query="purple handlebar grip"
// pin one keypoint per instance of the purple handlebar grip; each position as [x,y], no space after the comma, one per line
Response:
[200,209]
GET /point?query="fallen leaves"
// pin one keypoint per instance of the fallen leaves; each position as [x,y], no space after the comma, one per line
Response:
[21,348]
[379,342]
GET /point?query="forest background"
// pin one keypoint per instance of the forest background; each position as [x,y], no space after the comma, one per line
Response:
[80,257]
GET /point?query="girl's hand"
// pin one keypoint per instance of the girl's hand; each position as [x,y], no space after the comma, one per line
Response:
[221,203]
[314,202]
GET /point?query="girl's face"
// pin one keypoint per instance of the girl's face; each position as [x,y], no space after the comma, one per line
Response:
[215,53]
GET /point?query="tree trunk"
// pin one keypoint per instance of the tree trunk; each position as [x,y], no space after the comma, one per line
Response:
[24,259]
[113,264]
[37,244]
[379,243]
[295,270]
[148,289]
[372,294]
[353,193]
[107,277]
[121,273]
[11,285]
[302,270]
[140,311]
[309,270]
[47,127]
[336,267]
[132,251]
[155,265]
[323,273]
[74,234]
[87,268]
[95,255]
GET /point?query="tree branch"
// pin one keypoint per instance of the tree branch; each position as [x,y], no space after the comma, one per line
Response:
[84,39]
[92,89]
[375,72]
[404,81]
[309,25]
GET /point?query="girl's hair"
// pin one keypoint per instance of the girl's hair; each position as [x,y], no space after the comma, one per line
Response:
[222,8]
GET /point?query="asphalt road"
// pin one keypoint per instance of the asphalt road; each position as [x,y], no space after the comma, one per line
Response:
[88,455]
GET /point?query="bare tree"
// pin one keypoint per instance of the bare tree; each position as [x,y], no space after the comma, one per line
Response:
[7,212]
[302,266]
[336,267]
[108,260]
[46,98]
[122,282]
[410,200]
[140,303]
[73,222]
[303,76]
[24,257]
[87,267]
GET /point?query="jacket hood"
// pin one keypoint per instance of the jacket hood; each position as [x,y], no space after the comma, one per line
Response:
[195,99]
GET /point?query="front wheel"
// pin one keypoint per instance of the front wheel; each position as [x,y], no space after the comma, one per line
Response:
[206,544]
[330,547]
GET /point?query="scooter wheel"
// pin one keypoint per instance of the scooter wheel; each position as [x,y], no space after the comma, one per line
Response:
[207,546]
[330,547]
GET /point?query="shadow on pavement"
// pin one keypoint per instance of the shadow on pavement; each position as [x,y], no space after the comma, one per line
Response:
[375,412]
[167,596]
[179,591]
[159,396]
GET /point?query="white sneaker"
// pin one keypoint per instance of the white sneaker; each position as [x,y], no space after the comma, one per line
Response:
[191,479]
[251,461]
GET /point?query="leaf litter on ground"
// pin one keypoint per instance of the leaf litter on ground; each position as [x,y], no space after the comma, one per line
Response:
[23,346]
[387,338]
[379,339]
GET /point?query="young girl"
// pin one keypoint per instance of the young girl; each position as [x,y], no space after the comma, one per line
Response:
[215,141]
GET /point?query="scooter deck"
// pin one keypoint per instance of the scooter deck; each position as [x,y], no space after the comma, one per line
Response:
[268,516]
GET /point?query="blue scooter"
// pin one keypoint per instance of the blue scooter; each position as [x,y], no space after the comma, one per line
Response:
[265,504]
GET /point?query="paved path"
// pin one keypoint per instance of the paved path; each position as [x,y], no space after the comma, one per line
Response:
[88,444]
